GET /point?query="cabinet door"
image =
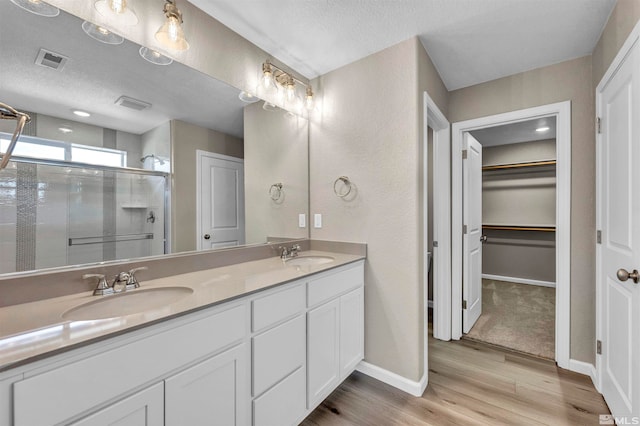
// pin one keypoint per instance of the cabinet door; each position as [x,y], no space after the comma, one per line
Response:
[351,331]
[214,392]
[323,351]
[144,408]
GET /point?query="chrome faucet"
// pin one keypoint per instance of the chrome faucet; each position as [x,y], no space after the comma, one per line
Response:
[122,282]
[284,253]
[287,253]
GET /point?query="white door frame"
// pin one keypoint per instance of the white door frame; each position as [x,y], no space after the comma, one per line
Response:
[633,38]
[562,112]
[199,154]
[435,119]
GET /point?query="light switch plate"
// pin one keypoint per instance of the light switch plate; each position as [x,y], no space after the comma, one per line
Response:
[302,220]
[317,220]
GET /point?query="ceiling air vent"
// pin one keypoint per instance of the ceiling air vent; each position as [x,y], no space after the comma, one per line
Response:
[49,59]
[136,104]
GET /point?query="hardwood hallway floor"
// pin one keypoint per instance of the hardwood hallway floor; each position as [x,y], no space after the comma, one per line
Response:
[470,383]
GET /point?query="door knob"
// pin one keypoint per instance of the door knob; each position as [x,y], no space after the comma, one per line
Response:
[624,275]
[207,236]
[483,239]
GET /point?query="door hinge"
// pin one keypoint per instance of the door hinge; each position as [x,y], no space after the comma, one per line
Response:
[464,229]
[599,236]
[598,125]
[435,244]
[599,347]
[464,154]
[464,304]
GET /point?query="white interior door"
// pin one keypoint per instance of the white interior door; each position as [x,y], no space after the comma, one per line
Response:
[220,201]
[471,239]
[619,218]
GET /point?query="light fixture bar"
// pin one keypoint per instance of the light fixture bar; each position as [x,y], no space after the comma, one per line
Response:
[287,80]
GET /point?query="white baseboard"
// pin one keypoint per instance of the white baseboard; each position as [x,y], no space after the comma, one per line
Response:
[519,280]
[409,386]
[584,368]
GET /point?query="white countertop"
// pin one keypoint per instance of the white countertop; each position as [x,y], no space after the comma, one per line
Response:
[32,331]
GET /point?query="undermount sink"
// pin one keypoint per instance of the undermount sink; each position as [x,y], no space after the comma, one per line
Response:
[309,260]
[127,303]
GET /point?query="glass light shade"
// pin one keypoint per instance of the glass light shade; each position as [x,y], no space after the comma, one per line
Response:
[38,7]
[117,9]
[309,101]
[290,91]
[248,97]
[268,106]
[154,57]
[101,34]
[171,34]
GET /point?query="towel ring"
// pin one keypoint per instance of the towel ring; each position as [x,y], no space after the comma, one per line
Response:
[275,191]
[347,183]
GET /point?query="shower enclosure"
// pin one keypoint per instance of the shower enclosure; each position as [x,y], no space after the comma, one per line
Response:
[61,210]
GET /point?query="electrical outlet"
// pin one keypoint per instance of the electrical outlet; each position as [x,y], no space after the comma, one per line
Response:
[317,220]
[302,220]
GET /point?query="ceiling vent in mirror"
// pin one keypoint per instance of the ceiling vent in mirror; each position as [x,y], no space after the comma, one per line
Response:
[132,103]
[49,59]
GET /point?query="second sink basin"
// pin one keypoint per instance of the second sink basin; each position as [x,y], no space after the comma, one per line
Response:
[127,303]
[309,260]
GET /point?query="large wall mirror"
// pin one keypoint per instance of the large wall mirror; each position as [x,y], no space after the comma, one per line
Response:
[168,160]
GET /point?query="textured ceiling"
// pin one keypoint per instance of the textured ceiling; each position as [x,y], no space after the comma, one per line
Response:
[469,41]
[97,74]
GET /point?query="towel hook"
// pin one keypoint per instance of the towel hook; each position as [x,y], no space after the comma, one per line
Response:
[347,183]
[275,191]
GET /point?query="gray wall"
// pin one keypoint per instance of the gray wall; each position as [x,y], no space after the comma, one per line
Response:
[275,151]
[185,140]
[370,131]
[518,197]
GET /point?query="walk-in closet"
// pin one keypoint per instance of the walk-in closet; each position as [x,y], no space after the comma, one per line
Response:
[518,234]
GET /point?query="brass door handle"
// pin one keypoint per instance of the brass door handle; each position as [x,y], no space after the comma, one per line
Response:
[624,275]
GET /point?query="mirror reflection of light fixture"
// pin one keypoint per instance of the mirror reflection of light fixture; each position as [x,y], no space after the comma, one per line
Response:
[268,106]
[284,84]
[101,34]
[119,10]
[65,128]
[38,7]
[154,57]
[171,34]
[248,97]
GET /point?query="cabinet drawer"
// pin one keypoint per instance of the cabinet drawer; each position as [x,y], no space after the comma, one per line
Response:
[330,286]
[282,405]
[278,352]
[275,307]
[109,374]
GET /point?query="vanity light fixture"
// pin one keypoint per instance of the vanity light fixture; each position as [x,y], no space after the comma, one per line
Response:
[286,86]
[171,34]
[80,113]
[101,34]
[38,7]
[542,129]
[119,10]
[154,56]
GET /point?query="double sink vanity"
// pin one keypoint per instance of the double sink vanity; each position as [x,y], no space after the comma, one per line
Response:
[261,342]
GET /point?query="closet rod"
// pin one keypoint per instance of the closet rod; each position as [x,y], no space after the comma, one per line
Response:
[520,165]
[520,228]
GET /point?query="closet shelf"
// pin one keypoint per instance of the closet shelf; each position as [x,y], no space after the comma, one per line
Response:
[520,228]
[519,165]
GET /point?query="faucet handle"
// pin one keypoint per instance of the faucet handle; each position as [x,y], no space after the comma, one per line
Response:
[132,282]
[102,288]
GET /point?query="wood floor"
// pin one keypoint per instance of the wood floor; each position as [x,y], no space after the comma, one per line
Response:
[470,383]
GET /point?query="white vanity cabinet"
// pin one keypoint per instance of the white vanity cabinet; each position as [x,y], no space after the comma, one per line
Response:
[265,359]
[335,340]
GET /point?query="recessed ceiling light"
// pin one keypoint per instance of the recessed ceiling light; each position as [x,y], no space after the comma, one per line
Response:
[542,129]
[81,113]
[65,129]
[38,7]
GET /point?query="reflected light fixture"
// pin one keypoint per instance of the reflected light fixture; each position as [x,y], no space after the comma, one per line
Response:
[38,7]
[248,97]
[154,57]
[171,34]
[117,9]
[65,128]
[275,78]
[80,113]
[101,34]
[542,129]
